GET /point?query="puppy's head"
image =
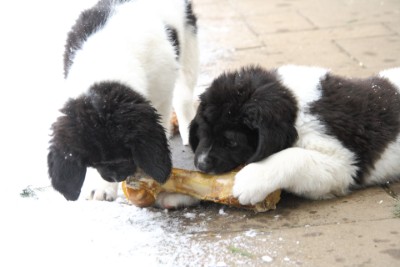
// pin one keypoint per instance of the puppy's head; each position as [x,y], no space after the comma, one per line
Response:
[243,117]
[112,129]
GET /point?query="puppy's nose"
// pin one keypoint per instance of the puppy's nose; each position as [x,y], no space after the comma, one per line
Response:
[120,178]
[203,163]
[115,178]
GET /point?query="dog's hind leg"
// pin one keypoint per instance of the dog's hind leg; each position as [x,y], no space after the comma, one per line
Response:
[183,101]
[167,200]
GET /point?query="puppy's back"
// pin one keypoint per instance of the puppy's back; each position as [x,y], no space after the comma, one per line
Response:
[117,40]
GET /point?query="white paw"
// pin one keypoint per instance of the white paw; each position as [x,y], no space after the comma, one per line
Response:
[184,132]
[107,192]
[253,184]
[174,201]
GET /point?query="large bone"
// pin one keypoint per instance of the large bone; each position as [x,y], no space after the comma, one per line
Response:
[142,191]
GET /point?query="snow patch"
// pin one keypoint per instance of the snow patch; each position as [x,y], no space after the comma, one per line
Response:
[267,258]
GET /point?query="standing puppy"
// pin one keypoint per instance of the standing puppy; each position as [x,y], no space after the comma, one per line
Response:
[301,129]
[124,61]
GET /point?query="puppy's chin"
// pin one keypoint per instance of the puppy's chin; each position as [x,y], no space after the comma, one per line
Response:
[215,166]
[114,180]
[116,170]
[217,171]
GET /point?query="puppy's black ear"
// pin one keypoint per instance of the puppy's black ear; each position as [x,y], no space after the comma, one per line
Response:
[149,144]
[193,133]
[271,112]
[67,173]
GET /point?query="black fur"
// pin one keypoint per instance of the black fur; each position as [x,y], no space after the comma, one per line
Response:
[174,39]
[364,120]
[93,19]
[243,117]
[111,128]
[191,18]
[89,21]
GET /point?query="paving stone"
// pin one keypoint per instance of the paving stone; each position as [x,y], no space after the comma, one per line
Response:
[348,12]
[278,22]
[374,52]
[393,25]
[221,9]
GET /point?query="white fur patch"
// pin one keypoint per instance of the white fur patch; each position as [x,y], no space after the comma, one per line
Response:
[392,75]
[387,167]
[202,157]
[317,167]
[303,81]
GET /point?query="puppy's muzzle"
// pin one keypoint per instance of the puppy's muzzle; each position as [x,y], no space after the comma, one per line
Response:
[204,163]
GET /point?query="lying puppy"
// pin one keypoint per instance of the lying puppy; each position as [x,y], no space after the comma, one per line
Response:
[123,59]
[301,129]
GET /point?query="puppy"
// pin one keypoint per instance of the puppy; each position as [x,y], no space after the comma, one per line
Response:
[301,129]
[124,61]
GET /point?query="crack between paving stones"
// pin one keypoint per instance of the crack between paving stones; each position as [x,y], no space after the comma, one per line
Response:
[243,19]
[307,19]
[345,52]
[386,187]
[271,230]
[389,29]
[250,47]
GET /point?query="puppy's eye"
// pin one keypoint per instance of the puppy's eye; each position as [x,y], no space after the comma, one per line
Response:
[232,143]
[231,139]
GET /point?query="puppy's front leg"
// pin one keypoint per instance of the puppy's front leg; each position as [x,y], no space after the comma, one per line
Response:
[303,172]
[184,105]
[105,191]
[183,101]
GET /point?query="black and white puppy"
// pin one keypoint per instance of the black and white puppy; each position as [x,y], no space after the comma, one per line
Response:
[124,61]
[301,129]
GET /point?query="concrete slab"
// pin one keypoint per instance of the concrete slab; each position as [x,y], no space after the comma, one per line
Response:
[256,8]
[317,47]
[212,10]
[328,13]
[278,22]
[369,51]
[336,33]
[229,33]
[280,30]
[393,25]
